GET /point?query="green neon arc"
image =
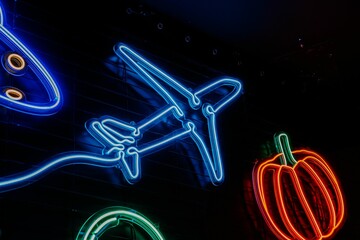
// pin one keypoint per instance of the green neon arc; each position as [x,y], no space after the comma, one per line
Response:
[111,217]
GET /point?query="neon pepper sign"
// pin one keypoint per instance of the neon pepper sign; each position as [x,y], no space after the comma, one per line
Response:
[21,64]
[111,217]
[120,140]
[298,194]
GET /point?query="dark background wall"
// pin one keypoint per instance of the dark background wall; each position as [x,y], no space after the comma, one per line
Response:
[297,65]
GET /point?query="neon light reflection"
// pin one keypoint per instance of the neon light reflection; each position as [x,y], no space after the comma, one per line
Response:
[299,199]
[111,217]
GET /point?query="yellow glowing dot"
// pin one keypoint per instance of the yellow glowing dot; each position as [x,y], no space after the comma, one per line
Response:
[14,94]
[15,62]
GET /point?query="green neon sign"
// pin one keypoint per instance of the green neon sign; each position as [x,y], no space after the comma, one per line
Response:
[111,217]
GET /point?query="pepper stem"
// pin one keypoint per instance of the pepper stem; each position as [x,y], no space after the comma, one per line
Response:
[283,146]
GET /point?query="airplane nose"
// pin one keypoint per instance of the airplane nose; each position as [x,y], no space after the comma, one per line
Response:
[27,86]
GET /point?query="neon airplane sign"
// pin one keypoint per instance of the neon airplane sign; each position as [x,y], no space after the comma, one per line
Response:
[121,141]
[22,70]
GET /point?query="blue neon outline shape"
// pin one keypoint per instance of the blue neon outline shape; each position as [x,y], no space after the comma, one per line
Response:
[106,129]
[28,177]
[111,217]
[119,138]
[54,94]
